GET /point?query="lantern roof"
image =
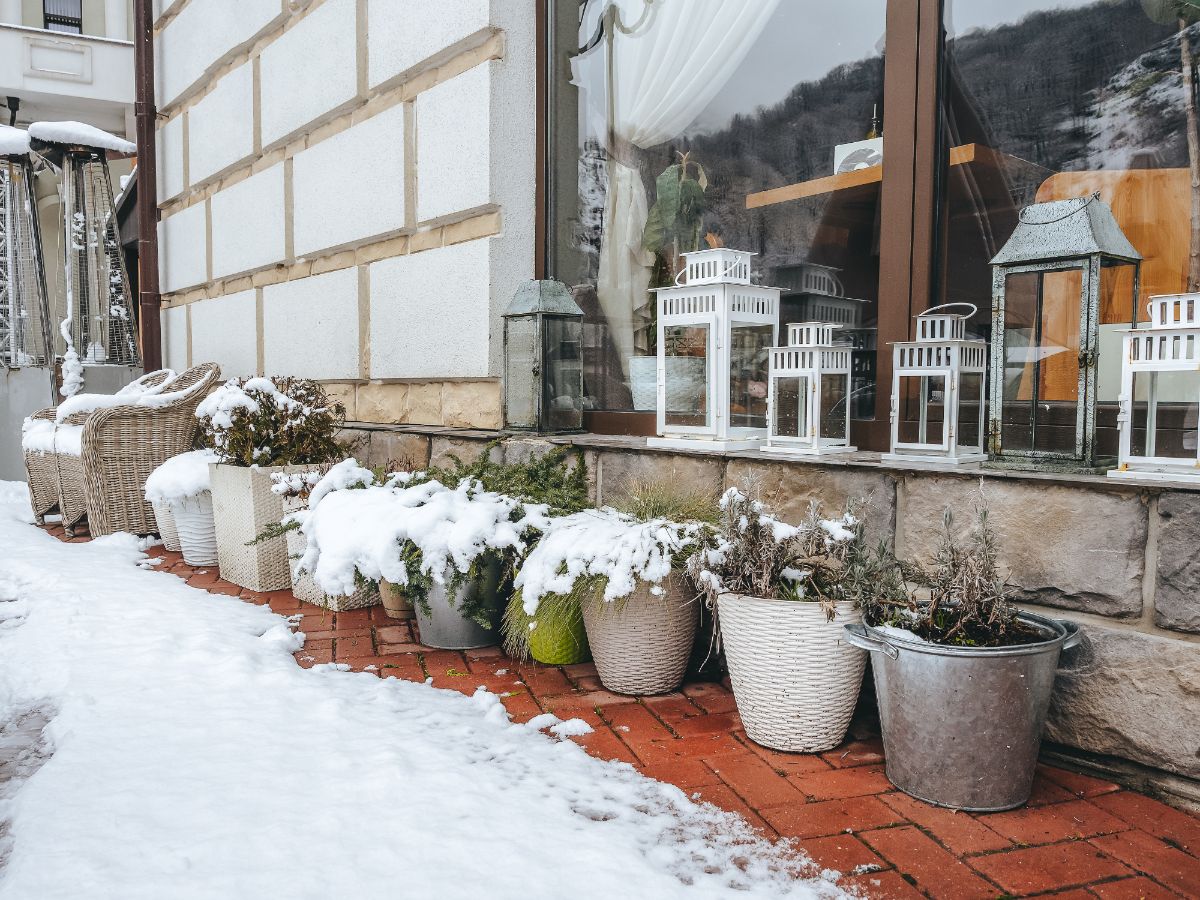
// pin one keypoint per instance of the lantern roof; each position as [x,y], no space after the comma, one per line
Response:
[546,297]
[1066,229]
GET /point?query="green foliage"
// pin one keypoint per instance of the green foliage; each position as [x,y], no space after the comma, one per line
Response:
[554,610]
[676,219]
[297,425]
[557,478]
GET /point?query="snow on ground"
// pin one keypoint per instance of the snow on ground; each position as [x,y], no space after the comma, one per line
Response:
[190,757]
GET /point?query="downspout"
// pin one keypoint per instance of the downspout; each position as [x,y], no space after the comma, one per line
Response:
[145,114]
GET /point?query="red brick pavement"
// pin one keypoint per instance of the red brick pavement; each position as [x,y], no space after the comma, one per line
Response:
[1080,837]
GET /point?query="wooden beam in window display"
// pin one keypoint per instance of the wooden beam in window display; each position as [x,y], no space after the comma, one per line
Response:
[937,412]
[1160,394]
[809,399]
[715,334]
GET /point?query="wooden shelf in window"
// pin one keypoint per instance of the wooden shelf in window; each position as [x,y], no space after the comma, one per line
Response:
[959,156]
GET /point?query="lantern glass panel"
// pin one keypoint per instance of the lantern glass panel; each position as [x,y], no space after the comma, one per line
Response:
[970,410]
[562,375]
[833,409]
[749,358]
[922,416]
[1167,427]
[791,401]
[520,377]
[685,349]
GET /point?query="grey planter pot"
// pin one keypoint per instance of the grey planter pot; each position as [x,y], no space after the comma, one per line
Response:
[444,627]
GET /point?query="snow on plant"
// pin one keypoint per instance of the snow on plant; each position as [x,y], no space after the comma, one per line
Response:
[181,477]
[272,422]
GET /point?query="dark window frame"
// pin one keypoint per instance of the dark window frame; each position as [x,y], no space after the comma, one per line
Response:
[56,16]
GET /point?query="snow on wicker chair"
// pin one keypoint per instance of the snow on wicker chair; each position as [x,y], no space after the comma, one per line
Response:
[38,442]
[121,446]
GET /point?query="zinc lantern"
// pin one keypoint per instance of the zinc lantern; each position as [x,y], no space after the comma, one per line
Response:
[937,409]
[809,398]
[715,334]
[543,359]
[1160,394]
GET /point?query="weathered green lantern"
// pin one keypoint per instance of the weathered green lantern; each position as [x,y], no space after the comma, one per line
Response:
[543,359]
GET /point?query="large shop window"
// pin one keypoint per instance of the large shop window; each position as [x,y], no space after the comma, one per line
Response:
[1054,99]
[683,124]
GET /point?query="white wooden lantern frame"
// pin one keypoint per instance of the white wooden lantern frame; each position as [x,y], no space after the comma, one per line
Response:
[716,294]
[941,351]
[813,359]
[1169,344]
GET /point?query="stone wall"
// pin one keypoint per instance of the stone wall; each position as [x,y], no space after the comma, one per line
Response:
[347,193]
[1120,559]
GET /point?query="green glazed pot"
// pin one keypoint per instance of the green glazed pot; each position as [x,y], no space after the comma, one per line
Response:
[560,638]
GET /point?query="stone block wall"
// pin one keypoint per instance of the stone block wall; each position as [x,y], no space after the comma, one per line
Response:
[347,193]
[1117,558]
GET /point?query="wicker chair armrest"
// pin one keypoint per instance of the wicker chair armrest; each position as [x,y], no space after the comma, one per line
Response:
[47,413]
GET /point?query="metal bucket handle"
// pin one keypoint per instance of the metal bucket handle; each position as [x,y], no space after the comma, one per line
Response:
[1074,635]
[857,636]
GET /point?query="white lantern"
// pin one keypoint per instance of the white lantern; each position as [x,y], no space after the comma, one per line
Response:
[937,391]
[715,333]
[1160,393]
[809,404]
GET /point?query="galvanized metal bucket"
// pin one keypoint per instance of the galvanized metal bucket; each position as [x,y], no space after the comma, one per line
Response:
[446,628]
[962,725]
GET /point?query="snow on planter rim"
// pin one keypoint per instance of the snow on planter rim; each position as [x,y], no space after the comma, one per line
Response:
[193,758]
[181,477]
[79,133]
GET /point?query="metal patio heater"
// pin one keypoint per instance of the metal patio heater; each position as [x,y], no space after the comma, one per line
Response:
[809,398]
[26,352]
[98,325]
[1063,289]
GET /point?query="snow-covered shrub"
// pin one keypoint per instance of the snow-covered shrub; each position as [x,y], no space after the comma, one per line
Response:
[823,560]
[180,477]
[272,422]
[557,478]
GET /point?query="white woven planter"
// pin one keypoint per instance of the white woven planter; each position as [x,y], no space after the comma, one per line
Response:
[305,587]
[243,505]
[795,679]
[166,525]
[641,643]
[197,532]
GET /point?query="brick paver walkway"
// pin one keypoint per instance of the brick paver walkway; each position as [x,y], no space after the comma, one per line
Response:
[1079,837]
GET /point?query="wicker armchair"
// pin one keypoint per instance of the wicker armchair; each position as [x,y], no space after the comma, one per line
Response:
[122,445]
[41,468]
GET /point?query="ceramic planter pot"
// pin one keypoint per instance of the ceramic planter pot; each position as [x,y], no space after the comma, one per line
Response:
[196,528]
[166,525]
[560,638]
[794,674]
[395,602]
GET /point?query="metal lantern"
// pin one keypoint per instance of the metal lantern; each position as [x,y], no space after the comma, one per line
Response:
[1067,274]
[543,360]
[937,391]
[1160,393]
[809,400]
[715,334]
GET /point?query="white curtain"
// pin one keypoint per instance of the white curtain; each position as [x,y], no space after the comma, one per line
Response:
[669,60]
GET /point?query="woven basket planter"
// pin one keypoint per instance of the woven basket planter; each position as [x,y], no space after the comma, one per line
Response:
[641,643]
[197,530]
[305,587]
[243,505]
[166,525]
[395,602]
[795,678]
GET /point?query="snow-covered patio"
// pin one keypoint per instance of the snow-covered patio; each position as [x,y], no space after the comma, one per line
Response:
[194,748]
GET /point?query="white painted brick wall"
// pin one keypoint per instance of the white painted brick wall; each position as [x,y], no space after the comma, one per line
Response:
[174,337]
[221,126]
[170,159]
[182,249]
[204,33]
[225,331]
[430,313]
[309,70]
[248,223]
[402,33]
[350,186]
[310,326]
[453,152]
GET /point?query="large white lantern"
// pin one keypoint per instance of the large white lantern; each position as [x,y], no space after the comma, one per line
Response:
[809,403]
[715,334]
[938,391]
[1160,393]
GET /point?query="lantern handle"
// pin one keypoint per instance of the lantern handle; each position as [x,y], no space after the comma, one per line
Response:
[974,308]
[683,272]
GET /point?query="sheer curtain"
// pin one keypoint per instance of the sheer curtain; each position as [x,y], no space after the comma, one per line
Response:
[668,60]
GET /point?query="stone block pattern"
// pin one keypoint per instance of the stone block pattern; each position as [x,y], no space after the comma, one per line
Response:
[248,224]
[1177,583]
[182,242]
[453,145]
[175,338]
[170,159]
[403,33]
[310,326]
[225,331]
[221,125]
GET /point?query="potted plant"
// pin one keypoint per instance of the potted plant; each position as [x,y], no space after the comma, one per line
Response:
[782,594]
[182,486]
[260,426]
[962,676]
